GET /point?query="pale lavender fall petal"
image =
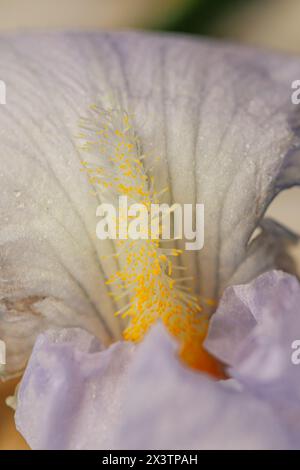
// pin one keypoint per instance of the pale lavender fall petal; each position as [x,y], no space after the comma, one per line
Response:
[72,392]
[253,331]
[241,308]
[220,118]
[143,398]
[169,406]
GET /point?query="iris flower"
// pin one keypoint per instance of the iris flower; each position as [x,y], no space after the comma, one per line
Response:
[143,350]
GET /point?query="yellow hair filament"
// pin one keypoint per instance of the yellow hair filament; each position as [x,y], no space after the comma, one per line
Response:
[146,276]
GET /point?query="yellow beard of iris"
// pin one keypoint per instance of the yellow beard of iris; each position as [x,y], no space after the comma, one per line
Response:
[147,268]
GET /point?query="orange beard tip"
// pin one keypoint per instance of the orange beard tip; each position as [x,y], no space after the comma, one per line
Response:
[195,356]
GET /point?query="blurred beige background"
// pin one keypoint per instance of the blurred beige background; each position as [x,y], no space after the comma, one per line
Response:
[269,23]
[85,14]
[10,439]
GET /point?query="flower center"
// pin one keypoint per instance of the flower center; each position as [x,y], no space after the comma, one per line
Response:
[149,275]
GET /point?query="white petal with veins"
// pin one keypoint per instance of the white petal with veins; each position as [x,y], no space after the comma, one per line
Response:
[217,115]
